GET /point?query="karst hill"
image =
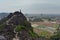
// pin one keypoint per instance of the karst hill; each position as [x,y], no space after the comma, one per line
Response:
[16,25]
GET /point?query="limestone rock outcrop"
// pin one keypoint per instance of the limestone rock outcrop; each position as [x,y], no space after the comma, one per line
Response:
[9,24]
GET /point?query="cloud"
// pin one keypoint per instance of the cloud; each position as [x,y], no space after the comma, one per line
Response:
[30,6]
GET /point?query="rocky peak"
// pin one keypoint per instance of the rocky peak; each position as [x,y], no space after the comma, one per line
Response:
[16,18]
[17,22]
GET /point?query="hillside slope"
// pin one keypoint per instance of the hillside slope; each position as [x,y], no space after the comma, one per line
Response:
[15,25]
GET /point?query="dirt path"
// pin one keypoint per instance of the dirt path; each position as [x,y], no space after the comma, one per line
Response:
[7,22]
[16,37]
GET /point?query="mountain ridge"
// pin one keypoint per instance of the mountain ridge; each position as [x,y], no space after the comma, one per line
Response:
[16,23]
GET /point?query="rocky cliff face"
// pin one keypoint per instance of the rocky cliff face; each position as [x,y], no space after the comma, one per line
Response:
[16,25]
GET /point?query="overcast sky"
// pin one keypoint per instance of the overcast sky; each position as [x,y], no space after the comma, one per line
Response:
[30,6]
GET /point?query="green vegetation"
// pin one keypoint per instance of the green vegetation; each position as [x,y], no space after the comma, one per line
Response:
[55,25]
[42,32]
[1,26]
[56,35]
[45,33]
[19,28]
[32,34]
[28,26]
[41,26]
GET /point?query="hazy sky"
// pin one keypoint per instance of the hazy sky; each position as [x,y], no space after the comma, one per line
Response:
[30,6]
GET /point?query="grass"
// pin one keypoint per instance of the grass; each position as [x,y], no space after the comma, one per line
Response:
[33,34]
[42,32]
[19,28]
[1,26]
[55,25]
[45,33]
[41,26]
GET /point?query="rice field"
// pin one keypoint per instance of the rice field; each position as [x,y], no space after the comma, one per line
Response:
[44,28]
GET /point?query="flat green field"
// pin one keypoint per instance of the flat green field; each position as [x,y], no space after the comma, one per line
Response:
[46,29]
[42,32]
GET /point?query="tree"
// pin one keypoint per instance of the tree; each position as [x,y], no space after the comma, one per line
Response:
[56,35]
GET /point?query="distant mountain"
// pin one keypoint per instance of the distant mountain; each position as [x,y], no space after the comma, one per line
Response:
[42,15]
[2,15]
